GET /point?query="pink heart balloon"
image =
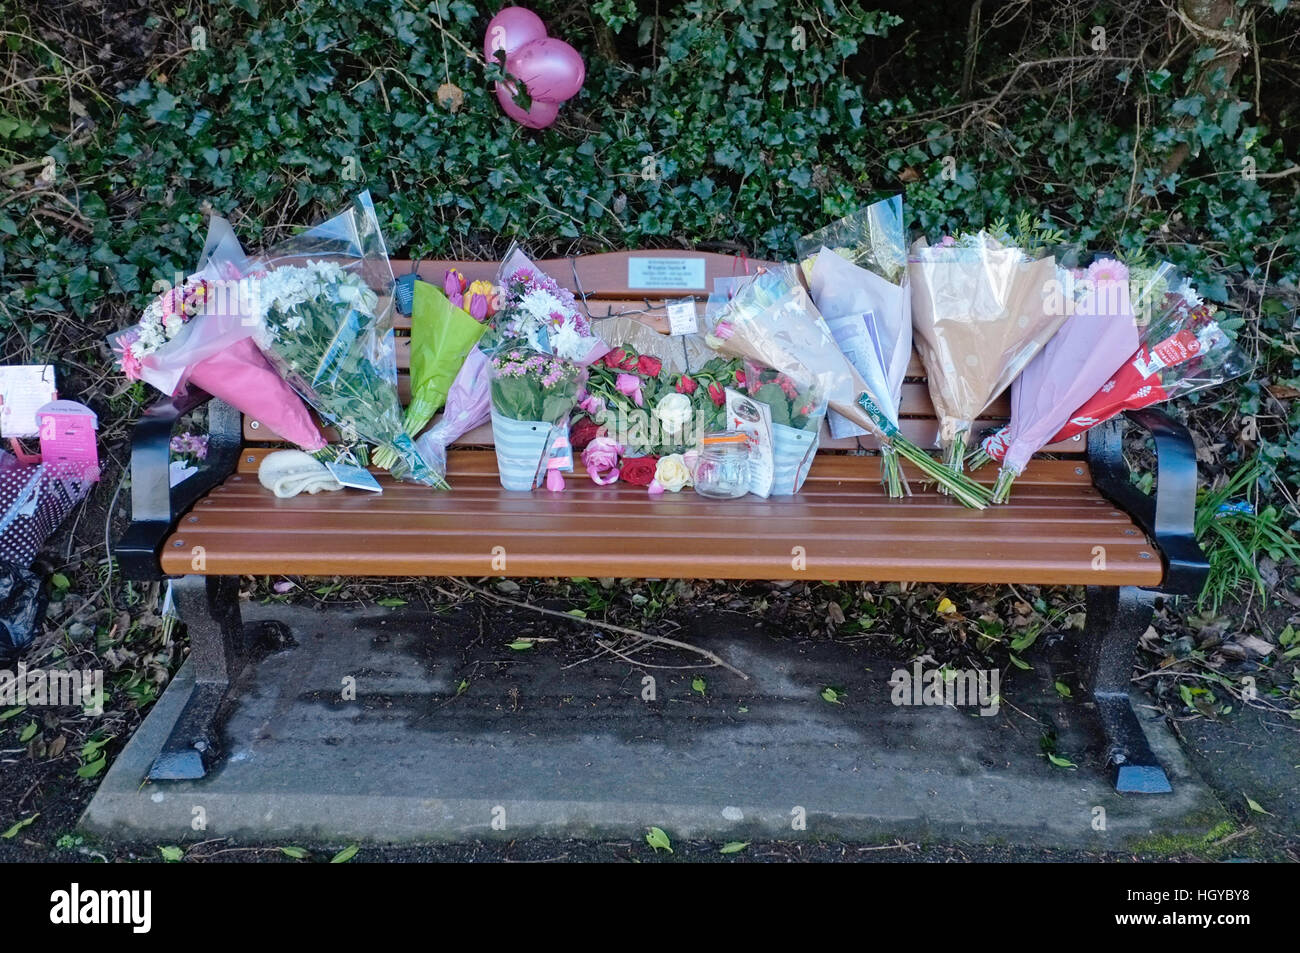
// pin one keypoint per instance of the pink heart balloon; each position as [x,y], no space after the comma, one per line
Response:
[510,29]
[539,116]
[550,68]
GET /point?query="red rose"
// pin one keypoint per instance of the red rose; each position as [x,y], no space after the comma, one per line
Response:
[686,385]
[629,362]
[717,394]
[583,432]
[740,378]
[615,358]
[638,471]
[649,366]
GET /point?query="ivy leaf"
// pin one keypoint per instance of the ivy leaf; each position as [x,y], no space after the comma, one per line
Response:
[697,684]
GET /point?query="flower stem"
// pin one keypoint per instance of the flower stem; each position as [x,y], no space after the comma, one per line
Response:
[891,474]
[977,458]
[952,482]
[1002,488]
[953,455]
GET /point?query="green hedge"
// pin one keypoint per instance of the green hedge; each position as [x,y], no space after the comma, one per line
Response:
[706,124]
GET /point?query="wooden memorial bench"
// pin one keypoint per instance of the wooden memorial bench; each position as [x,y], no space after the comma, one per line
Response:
[1075,518]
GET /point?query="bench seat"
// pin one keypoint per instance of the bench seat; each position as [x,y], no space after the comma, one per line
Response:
[842,521]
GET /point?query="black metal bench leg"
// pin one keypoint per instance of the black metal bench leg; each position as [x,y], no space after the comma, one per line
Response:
[209,607]
[1117,618]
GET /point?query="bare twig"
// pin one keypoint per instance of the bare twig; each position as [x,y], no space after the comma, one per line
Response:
[596,623]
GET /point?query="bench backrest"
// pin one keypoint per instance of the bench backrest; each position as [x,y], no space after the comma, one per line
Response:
[636,284]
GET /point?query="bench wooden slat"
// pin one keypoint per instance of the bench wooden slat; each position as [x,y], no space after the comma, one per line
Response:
[847,527]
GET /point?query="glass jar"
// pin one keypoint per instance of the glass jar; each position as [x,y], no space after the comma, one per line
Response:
[722,471]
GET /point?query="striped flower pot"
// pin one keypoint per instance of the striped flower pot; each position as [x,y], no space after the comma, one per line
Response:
[792,455]
[521,447]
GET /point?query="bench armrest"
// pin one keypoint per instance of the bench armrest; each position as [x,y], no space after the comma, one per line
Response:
[155,503]
[1169,516]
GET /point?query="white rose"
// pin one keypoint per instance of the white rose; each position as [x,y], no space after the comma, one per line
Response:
[674,412]
[672,473]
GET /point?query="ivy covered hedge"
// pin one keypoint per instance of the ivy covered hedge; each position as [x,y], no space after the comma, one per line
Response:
[732,124]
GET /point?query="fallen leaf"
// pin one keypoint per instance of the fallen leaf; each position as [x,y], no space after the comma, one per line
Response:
[658,840]
[9,834]
[346,854]
[1282,392]
[733,847]
[1255,806]
[450,96]
[1253,643]
[945,607]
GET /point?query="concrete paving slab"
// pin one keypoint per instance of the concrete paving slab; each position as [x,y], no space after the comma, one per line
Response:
[536,745]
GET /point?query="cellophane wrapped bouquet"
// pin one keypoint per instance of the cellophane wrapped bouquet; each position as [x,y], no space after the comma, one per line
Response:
[199,333]
[1099,333]
[323,315]
[772,320]
[981,311]
[1181,349]
[857,272]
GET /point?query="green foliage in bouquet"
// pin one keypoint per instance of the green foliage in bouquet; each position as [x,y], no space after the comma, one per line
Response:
[651,411]
[791,405]
[530,385]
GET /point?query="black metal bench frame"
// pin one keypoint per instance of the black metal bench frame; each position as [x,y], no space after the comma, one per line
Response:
[1117,616]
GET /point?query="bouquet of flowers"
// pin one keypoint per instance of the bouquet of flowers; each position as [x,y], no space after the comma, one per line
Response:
[980,310]
[649,410]
[441,338]
[771,320]
[1181,350]
[533,394]
[469,404]
[322,315]
[196,333]
[535,310]
[797,414]
[858,280]
[1098,335]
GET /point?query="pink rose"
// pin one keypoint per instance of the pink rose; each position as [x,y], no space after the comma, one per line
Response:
[630,386]
[601,460]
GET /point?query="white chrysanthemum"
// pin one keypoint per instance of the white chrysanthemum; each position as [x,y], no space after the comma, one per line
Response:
[541,304]
[568,343]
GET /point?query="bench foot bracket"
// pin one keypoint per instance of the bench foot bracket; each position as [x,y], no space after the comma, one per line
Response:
[1117,618]
[209,606]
